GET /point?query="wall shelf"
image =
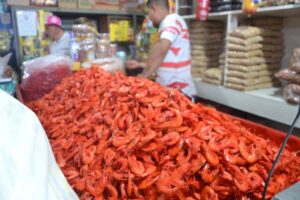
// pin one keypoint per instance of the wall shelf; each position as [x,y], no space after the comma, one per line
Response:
[79,11]
[278,11]
[267,103]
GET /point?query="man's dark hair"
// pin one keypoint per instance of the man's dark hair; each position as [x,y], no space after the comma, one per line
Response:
[163,3]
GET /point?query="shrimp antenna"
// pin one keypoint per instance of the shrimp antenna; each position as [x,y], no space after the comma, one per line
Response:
[279,153]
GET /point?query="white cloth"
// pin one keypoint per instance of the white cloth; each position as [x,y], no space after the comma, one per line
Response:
[62,46]
[175,71]
[28,169]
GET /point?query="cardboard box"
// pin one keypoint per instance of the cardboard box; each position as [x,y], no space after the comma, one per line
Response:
[67,3]
[134,6]
[18,2]
[103,5]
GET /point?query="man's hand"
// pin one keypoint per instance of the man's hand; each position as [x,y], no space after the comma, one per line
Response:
[133,64]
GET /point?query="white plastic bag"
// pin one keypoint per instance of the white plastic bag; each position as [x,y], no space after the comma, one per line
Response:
[107,64]
[28,169]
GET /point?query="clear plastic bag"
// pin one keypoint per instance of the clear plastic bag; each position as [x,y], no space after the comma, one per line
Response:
[288,75]
[108,64]
[291,93]
[295,57]
[41,75]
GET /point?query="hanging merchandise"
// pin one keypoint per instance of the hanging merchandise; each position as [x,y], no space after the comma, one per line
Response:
[250,6]
[202,10]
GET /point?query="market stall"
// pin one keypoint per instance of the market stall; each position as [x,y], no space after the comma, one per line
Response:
[115,135]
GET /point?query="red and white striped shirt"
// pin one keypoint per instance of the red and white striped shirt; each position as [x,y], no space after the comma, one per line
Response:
[175,70]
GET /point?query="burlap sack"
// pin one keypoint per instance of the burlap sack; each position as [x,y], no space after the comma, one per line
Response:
[236,47]
[256,53]
[273,48]
[205,59]
[246,32]
[271,33]
[267,21]
[212,36]
[248,88]
[208,53]
[213,73]
[272,40]
[245,42]
[264,48]
[211,81]
[277,28]
[253,61]
[201,61]
[249,82]
[249,54]
[206,31]
[207,41]
[250,74]
[196,47]
[208,24]
[243,68]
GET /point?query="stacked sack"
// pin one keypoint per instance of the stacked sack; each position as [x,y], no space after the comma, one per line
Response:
[215,75]
[207,40]
[254,55]
[291,76]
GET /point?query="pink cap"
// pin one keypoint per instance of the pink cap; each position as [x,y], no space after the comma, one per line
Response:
[53,20]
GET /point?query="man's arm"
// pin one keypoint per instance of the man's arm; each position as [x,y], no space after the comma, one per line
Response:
[156,57]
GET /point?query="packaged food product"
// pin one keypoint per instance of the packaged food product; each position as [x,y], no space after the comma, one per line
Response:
[295,57]
[291,93]
[249,81]
[37,2]
[295,67]
[288,75]
[246,32]
[248,88]
[249,74]
[244,68]
[213,73]
[245,42]
[250,6]
[253,61]
[42,74]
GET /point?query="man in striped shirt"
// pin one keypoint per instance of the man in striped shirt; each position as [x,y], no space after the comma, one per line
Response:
[170,58]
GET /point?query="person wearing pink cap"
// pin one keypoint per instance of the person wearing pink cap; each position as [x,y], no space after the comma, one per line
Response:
[60,39]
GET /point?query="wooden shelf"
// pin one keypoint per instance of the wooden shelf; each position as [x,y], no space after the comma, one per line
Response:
[79,11]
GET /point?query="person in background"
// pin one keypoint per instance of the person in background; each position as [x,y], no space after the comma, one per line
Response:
[60,39]
[170,57]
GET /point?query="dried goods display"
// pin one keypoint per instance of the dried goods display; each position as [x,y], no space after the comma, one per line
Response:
[291,78]
[118,137]
[207,40]
[254,54]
